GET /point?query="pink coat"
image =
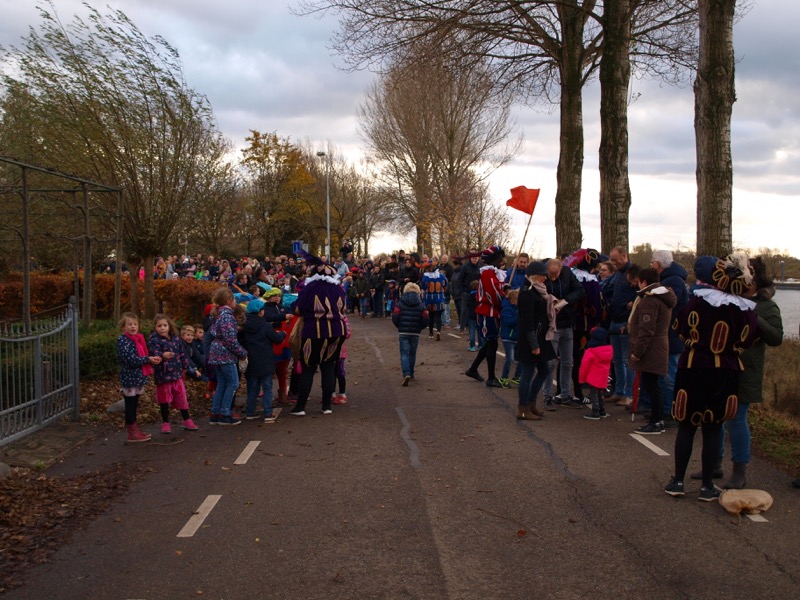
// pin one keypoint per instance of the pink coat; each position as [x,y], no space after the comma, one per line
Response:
[595,366]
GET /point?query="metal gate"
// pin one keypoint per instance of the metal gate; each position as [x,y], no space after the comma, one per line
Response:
[39,377]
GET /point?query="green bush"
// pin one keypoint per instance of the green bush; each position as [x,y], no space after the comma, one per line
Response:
[97,348]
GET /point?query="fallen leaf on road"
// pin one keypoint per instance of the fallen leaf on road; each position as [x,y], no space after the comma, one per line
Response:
[206,462]
[521,533]
[274,523]
[258,539]
[178,552]
[226,468]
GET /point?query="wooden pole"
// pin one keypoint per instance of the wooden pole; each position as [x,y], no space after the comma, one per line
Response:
[521,246]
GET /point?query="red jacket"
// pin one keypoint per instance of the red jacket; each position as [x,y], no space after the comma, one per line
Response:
[490,293]
[595,366]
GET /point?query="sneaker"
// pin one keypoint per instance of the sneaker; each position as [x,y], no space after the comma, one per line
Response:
[709,494]
[675,488]
[494,383]
[136,435]
[515,381]
[670,423]
[604,414]
[406,379]
[189,425]
[166,428]
[229,420]
[339,399]
[571,402]
[593,416]
[651,429]
[438,336]
[327,411]
[270,419]
[585,401]
[549,404]
[472,348]
[297,413]
[503,382]
[213,419]
[252,417]
[430,336]
[474,374]
[236,415]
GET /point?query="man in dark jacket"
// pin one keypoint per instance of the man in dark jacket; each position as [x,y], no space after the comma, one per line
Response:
[619,302]
[563,285]
[410,318]
[470,271]
[673,276]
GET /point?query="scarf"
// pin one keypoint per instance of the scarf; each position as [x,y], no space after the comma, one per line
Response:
[551,309]
[141,349]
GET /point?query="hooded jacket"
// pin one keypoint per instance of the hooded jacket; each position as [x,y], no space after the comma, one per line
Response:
[618,294]
[770,333]
[596,361]
[259,336]
[508,322]
[674,277]
[649,325]
[410,316]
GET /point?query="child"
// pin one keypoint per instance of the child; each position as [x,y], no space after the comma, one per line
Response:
[509,334]
[475,334]
[224,352]
[136,365]
[199,349]
[392,296]
[410,317]
[259,337]
[593,375]
[341,374]
[168,374]
[190,349]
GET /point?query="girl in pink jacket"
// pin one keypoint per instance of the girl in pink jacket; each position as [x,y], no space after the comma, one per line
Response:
[594,371]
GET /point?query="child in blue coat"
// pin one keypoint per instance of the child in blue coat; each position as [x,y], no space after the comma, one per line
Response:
[509,334]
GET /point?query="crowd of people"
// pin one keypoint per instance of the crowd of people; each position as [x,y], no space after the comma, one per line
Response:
[585,331]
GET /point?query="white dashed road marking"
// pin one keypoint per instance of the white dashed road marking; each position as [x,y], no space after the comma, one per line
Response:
[454,335]
[196,520]
[757,519]
[246,453]
[648,444]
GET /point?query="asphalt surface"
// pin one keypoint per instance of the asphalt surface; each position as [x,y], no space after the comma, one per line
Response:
[430,491]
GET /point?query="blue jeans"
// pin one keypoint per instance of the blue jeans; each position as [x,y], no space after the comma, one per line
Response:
[408,353]
[622,372]
[529,385]
[563,343]
[227,384]
[475,333]
[510,348]
[254,384]
[739,435]
[364,306]
[446,313]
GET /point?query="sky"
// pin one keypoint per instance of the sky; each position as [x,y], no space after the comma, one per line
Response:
[264,68]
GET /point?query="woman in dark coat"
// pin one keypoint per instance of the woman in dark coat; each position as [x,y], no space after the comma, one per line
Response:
[536,323]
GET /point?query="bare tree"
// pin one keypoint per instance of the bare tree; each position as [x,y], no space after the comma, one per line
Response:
[432,123]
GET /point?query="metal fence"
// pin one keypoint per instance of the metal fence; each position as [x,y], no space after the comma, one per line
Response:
[39,380]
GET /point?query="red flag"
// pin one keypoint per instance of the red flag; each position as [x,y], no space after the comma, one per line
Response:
[523,199]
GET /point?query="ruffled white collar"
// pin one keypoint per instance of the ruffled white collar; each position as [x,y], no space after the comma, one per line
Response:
[718,298]
[321,277]
[501,275]
[582,275]
[432,274]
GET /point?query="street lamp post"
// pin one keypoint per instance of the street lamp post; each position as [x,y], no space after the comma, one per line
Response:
[327,201]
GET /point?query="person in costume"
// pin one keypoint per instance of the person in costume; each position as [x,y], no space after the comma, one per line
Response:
[490,306]
[717,325]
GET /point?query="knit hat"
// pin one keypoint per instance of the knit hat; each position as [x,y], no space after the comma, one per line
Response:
[207,309]
[535,268]
[598,337]
[255,306]
[492,254]
[272,292]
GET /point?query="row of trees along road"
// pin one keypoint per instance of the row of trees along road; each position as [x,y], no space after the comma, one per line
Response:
[547,50]
[97,98]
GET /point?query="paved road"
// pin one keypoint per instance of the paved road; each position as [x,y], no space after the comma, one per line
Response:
[431,491]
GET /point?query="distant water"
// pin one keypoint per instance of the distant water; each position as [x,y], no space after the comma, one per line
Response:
[789,303]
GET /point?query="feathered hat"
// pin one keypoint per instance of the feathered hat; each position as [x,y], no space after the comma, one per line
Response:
[315,265]
[585,259]
[731,274]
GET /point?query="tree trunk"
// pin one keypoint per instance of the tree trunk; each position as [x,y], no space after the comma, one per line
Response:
[570,159]
[149,289]
[133,274]
[714,95]
[615,72]
[424,228]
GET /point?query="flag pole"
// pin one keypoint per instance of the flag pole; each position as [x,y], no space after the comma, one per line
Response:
[521,246]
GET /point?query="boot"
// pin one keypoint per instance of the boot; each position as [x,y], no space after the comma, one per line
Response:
[717,474]
[135,435]
[738,478]
[533,410]
[527,415]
